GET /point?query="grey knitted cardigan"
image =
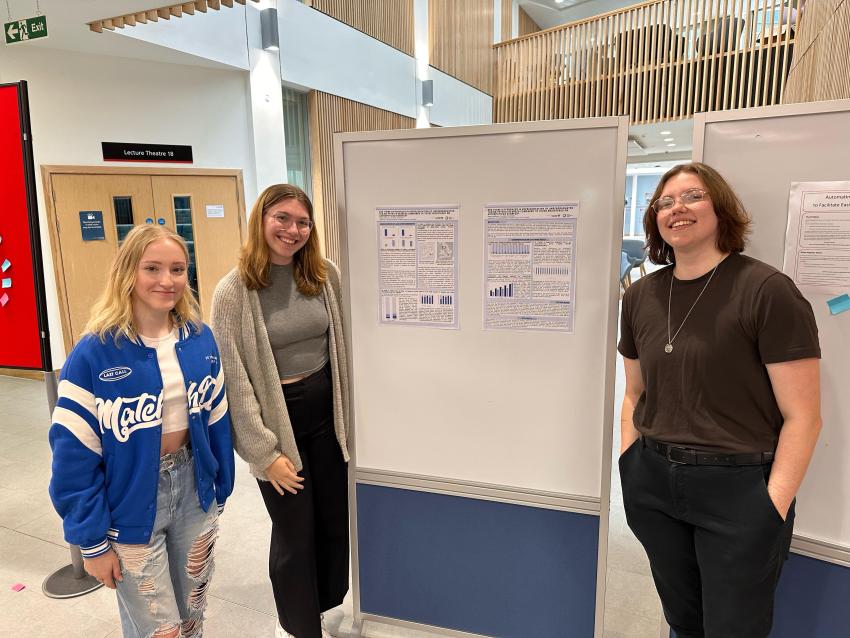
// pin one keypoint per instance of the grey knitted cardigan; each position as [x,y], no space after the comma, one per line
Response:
[261,427]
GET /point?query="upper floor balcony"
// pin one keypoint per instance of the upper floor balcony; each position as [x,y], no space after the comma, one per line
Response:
[658,61]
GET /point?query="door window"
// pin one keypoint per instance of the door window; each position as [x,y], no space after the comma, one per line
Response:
[123,205]
[183,221]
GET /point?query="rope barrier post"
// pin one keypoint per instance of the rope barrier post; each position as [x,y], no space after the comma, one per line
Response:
[71,580]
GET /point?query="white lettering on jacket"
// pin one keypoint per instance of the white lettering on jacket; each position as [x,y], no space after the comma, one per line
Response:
[201,394]
[125,415]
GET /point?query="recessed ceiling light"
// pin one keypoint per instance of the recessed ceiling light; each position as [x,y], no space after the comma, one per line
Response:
[667,132]
[671,145]
[668,139]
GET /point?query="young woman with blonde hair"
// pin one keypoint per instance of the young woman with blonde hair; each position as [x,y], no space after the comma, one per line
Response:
[141,440]
[277,317]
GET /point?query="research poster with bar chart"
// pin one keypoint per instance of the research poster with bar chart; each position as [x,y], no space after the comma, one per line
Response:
[529,266]
[417,265]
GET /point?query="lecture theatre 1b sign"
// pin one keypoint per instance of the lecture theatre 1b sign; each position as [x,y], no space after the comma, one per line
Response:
[125,152]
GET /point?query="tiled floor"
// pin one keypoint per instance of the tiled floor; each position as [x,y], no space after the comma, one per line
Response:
[240,603]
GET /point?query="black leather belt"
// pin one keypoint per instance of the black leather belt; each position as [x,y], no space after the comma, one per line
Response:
[689,456]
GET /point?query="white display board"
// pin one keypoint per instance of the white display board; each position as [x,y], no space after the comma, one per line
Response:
[761,152]
[522,409]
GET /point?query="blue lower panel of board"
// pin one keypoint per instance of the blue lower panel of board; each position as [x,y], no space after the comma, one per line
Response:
[812,600]
[477,566]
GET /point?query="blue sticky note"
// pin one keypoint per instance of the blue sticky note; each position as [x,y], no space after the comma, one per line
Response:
[839,304]
[6,265]
[7,282]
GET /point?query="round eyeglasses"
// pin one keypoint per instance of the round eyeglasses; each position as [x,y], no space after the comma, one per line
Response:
[285,220]
[690,196]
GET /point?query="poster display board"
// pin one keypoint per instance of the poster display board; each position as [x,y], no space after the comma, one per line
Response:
[24,338]
[507,415]
[790,165]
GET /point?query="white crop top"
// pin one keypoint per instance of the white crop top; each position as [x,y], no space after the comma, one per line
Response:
[175,404]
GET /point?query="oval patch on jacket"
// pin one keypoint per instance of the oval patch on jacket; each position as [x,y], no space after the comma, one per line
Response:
[115,374]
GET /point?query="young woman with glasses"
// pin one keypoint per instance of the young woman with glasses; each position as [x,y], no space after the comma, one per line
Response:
[721,410]
[278,320]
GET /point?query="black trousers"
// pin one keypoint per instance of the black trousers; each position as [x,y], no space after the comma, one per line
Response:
[715,542]
[308,553]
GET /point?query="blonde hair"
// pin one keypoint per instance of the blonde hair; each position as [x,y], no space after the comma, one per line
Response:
[309,270]
[113,311]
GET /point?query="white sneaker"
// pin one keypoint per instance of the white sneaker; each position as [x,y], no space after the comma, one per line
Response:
[280,632]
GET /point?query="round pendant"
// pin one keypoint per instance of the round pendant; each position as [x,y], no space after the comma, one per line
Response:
[668,348]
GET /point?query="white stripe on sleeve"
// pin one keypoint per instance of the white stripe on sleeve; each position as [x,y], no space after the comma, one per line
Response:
[79,427]
[78,395]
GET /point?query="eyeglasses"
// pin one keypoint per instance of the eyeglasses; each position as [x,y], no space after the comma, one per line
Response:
[690,196]
[285,220]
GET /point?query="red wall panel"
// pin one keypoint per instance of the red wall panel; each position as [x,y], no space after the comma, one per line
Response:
[21,341]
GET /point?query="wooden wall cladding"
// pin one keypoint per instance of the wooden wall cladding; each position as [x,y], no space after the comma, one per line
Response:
[460,36]
[507,19]
[526,24]
[821,66]
[658,61]
[390,21]
[331,114]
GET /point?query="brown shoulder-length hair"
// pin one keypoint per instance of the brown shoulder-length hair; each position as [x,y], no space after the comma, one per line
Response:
[733,222]
[309,267]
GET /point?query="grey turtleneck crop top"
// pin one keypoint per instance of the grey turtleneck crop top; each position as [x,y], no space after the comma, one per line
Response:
[297,325]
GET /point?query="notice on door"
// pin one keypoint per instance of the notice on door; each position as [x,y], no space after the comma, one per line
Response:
[215,210]
[91,225]
[817,242]
[529,266]
[417,265]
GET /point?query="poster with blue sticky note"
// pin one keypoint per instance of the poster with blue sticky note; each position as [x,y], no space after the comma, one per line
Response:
[91,225]
[839,304]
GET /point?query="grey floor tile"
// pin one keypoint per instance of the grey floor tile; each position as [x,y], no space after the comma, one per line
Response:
[30,614]
[225,619]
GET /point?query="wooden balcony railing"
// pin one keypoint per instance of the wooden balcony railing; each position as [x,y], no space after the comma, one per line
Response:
[657,61]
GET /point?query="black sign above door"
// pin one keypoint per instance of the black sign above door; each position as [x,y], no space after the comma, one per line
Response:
[126,152]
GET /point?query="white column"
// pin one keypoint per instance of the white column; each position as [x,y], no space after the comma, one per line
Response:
[421,52]
[266,98]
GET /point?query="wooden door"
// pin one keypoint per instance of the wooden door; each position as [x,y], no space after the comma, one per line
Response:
[83,265]
[206,212]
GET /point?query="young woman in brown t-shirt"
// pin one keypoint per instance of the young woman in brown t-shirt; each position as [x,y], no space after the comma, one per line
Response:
[721,410]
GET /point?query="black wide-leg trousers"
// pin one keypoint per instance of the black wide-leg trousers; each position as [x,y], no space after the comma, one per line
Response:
[308,554]
[715,542]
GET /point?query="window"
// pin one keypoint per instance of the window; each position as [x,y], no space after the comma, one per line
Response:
[123,205]
[183,221]
[297,139]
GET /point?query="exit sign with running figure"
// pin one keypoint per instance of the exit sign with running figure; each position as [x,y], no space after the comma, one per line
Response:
[23,30]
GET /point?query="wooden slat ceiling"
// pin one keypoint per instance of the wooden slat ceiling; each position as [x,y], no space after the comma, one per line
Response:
[177,10]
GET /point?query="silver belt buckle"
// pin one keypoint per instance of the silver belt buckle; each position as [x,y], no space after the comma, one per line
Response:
[682,451]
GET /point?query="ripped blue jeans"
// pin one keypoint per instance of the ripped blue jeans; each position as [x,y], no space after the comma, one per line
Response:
[165,582]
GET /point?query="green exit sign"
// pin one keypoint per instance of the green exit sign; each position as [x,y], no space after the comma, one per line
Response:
[23,30]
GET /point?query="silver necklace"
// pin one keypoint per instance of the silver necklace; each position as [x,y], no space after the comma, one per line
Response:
[669,347]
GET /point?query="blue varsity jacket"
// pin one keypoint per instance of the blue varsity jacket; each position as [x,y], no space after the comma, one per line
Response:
[106,436]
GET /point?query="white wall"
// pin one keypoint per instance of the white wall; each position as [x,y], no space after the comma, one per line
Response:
[457,103]
[321,53]
[78,101]
[215,35]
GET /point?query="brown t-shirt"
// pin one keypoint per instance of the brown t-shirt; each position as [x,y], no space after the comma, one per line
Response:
[712,392]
